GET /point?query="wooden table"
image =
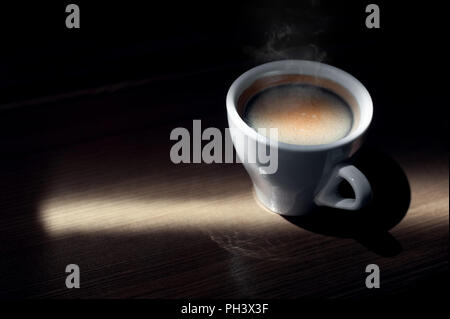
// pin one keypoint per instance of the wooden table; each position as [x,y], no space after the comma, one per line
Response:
[140,226]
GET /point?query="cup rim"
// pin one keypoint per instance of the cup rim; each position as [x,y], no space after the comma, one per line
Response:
[273,68]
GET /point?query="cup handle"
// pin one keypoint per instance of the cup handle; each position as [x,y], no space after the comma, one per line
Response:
[329,196]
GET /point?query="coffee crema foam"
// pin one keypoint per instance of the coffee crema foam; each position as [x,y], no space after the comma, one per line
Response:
[304,114]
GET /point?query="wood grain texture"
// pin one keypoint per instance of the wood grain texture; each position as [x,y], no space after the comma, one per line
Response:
[140,226]
[94,185]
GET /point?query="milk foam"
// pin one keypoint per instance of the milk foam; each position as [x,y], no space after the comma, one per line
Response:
[303,114]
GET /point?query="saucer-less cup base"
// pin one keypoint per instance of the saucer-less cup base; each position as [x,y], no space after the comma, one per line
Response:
[307,175]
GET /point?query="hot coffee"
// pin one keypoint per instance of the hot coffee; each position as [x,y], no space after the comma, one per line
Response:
[303,113]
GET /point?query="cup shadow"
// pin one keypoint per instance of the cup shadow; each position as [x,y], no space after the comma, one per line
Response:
[369,226]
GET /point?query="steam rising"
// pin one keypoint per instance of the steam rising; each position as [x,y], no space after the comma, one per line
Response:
[285,42]
[293,34]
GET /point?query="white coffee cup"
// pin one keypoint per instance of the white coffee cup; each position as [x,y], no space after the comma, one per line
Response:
[307,175]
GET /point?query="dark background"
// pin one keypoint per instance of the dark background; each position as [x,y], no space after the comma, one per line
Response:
[133,66]
[190,54]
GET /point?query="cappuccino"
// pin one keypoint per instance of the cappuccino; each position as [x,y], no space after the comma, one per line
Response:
[304,114]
